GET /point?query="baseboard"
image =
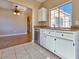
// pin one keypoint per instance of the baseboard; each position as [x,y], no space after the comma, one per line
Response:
[13,34]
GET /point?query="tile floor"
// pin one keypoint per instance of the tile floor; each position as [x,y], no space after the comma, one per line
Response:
[26,51]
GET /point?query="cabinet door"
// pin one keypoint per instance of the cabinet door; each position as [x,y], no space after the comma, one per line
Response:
[42,39]
[50,43]
[42,13]
[65,48]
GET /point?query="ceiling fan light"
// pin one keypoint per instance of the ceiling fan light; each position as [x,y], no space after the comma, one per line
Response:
[18,13]
[14,13]
[19,10]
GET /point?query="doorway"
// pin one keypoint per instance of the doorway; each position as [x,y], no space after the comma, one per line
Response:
[29,21]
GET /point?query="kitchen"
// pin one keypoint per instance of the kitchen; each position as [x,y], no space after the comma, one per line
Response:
[57,34]
[53,30]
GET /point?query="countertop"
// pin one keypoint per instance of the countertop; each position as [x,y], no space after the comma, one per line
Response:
[63,29]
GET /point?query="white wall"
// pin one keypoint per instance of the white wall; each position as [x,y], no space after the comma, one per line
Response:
[12,24]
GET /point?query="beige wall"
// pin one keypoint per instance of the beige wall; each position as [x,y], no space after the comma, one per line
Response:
[75,12]
[11,24]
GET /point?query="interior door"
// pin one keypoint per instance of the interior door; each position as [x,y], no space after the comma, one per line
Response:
[65,48]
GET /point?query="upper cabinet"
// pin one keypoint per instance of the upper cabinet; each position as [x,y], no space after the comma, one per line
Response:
[42,14]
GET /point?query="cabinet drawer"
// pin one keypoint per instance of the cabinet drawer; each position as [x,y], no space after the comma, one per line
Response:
[51,33]
[69,36]
[46,31]
[65,35]
[59,34]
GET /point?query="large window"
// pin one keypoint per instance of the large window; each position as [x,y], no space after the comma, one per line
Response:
[62,16]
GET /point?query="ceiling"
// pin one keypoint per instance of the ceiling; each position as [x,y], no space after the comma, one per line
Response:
[41,1]
[54,3]
[5,4]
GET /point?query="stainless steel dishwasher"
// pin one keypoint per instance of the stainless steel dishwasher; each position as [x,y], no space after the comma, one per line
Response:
[37,36]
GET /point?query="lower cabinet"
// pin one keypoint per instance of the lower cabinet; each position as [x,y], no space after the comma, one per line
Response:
[65,48]
[43,40]
[50,43]
[62,47]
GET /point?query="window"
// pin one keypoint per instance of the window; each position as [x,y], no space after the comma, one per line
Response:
[62,16]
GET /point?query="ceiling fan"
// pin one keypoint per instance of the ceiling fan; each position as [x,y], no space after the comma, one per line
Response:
[18,10]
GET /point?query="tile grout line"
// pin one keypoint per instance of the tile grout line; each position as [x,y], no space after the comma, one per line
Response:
[15,53]
[45,55]
[28,53]
[39,51]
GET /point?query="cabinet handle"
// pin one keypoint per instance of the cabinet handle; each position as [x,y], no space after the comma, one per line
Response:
[62,35]
[55,39]
[73,44]
[49,32]
[54,50]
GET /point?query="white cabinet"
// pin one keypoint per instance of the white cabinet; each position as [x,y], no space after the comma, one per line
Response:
[62,43]
[46,40]
[42,39]
[50,43]
[65,48]
[68,35]
[42,14]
